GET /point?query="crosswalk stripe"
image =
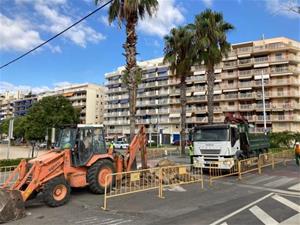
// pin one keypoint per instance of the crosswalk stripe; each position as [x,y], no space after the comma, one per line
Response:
[260,179]
[263,216]
[295,187]
[287,202]
[279,182]
[224,223]
[124,221]
[292,220]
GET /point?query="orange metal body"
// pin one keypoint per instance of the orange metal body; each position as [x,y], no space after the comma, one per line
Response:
[45,168]
[32,175]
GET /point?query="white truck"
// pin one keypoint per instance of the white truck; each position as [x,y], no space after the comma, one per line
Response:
[223,143]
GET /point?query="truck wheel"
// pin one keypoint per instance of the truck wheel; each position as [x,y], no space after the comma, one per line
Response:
[56,192]
[97,174]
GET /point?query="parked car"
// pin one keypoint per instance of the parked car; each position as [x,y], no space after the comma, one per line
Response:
[152,142]
[121,145]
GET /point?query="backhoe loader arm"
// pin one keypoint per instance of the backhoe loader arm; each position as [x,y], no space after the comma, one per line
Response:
[139,142]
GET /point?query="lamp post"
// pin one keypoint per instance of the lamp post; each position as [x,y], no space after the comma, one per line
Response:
[263,101]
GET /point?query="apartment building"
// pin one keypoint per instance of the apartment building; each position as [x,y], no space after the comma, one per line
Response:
[21,106]
[238,89]
[7,104]
[88,98]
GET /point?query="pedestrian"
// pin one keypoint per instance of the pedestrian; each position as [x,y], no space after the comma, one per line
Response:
[111,148]
[297,153]
[191,152]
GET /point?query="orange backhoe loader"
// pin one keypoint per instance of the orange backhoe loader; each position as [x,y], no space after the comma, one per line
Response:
[80,158]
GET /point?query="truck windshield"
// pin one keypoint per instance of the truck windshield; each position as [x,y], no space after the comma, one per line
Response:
[211,135]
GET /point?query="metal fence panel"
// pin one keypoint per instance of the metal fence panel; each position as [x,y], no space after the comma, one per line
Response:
[5,172]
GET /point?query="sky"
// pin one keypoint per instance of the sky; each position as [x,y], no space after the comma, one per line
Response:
[92,48]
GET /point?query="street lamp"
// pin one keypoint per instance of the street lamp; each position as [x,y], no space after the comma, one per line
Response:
[263,101]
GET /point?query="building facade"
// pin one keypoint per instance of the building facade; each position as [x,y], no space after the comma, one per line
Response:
[238,89]
[89,99]
[21,106]
[7,104]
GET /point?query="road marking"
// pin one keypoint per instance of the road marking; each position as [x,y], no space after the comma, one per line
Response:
[295,187]
[287,202]
[241,209]
[292,220]
[88,219]
[260,179]
[263,216]
[279,182]
[224,223]
[296,194]
[124,221]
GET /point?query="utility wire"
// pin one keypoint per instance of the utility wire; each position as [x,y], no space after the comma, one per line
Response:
[55,36]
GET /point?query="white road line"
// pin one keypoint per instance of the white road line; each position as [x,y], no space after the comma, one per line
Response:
[295,187]
[86,220]
[260,179]
[279,182]
[124,221]
[224,223]
[263,216]
[292,220]
[112,222]
[287,202]
[241,209]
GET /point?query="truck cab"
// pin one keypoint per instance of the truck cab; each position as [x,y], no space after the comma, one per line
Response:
[216,143]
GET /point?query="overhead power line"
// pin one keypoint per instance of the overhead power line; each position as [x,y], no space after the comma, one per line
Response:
[55,36]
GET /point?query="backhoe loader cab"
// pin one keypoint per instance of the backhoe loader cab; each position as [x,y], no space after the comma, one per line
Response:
[84,141]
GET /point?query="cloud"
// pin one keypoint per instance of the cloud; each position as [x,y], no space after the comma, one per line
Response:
[38,18]
[208,3]
[168,16]
[282,8]
[104,20]
[6,86]
[56,22]
[17,35]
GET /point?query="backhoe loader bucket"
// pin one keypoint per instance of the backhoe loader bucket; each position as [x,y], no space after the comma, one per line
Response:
[12,206]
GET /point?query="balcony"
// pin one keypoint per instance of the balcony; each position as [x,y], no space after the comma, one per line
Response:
[245,73]
[244,50]
[246,84]
[246,107]
[261,118]
[231,108]
[230,96]
[283,69]
[229,75]
[245,62]
[230,64]
[263,59]
[246,95]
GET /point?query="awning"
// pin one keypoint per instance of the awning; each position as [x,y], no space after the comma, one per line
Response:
[230,58]
[230,90]
[200,72]
[265,76]
[245,88]
[162,69]
[218,70]
[188,94]
[218,81]
[199,93]
[162,78]
[247,77]
[244,55]
[217,92]
[261,65]
[68,94]
[188,114]
[174,115]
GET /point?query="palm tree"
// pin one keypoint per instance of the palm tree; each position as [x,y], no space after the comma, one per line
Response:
[211,31]
[128,12]
[180,53]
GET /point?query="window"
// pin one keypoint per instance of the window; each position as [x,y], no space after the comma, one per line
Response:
[230,81]
[97,96]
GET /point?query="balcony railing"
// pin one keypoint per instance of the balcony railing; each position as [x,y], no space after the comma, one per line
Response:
[246,95]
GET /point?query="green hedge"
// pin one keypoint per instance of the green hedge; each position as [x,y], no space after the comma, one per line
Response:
[283,139]
[10,162]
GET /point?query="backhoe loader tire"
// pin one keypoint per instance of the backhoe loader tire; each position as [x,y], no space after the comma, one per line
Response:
[56,192]
[97,173]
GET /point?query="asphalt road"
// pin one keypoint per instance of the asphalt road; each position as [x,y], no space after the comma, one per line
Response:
[270,198]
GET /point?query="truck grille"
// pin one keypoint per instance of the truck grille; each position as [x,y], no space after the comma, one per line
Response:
[210,151]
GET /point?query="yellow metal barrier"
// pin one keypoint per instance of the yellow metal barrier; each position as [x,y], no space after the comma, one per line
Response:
[248,165]
[266,159]
[5,171]
[124,183]
[288,155]
[218,169]
[180,174]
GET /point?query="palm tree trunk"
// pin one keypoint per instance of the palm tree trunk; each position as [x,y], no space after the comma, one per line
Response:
[130,54]
[210,94]
[183,113]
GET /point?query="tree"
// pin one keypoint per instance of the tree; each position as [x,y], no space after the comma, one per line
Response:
[4,124]
[128,12]
[180,53]
[49,112]
[211,31]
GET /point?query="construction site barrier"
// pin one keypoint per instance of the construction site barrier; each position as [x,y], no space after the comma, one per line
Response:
[178,175]
[248,165]
[5,172]
[160,153]
[124,183]
[217,169]
[266,159]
